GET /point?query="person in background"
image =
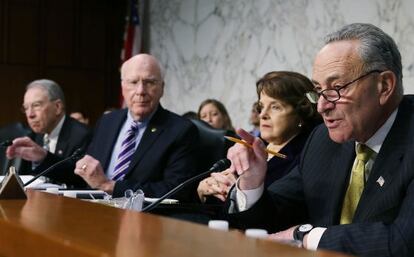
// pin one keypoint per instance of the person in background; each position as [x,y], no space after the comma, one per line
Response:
[80,116]
[143,146]
[254,120]
[55,138]
[286,119]
[214,113]
[353,190]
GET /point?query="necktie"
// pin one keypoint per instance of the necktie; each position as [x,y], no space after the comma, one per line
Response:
[127,150]
[356,186]
[46,142]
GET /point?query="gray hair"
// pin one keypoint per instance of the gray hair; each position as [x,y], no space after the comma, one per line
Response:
[54,91]
[377,50]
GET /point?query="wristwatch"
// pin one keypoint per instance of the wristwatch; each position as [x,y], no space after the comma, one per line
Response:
[300,231]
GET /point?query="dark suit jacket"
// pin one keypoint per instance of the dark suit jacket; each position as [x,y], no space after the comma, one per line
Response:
[313,193]
[73,135]
[163,159]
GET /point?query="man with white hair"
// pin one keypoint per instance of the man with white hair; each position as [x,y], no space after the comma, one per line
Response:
[56,136]
[143,146]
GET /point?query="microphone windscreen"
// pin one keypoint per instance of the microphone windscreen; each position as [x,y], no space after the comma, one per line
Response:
[221,165]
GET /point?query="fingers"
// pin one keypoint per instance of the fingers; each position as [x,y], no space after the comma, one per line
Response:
[223,179]
[86,165]
[246,136]
[23,141]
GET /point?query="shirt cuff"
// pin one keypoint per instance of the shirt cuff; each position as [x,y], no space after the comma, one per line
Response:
[313,238]
[246,198]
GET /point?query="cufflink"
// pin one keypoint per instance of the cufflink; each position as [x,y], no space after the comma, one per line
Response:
[153,129]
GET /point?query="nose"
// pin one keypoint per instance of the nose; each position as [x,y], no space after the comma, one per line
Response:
[263,113]
[30,112]
[324,105]
[140,88]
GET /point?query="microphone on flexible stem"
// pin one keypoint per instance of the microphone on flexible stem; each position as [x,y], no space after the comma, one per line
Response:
[218,166]
[76,155]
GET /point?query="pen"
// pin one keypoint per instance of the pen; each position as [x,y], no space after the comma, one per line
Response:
[236,140]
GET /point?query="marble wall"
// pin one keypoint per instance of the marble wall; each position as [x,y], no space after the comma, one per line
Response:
[219,48]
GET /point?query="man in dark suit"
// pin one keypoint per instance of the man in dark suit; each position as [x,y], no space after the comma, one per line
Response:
[144,146]
[55,136]
[333,200]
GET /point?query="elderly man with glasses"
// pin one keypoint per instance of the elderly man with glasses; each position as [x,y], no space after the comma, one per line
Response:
[55,136]
[143,146]
[353,190]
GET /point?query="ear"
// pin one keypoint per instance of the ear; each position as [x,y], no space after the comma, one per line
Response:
[387,85]
[59,106]
[162,87]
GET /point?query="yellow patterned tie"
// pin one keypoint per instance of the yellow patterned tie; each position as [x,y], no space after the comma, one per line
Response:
[356,186]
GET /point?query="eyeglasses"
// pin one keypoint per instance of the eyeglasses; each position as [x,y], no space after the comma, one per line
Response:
[332,94]
[35,106]
[145,82]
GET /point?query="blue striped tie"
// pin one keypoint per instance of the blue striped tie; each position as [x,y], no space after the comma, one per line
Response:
[127,150]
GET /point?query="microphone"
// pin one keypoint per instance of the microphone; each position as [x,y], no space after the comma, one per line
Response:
[75,156]
[6,143]
[218,166]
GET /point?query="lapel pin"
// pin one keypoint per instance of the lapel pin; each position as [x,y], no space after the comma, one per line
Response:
[381,181]
[60,152]
[153,129]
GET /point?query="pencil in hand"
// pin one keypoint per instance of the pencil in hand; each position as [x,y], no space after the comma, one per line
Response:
[236,140]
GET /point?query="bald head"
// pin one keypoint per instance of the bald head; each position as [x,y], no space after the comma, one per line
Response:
[145,61]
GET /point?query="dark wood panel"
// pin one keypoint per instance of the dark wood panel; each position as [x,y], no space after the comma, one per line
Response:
[23,32]
[83,90]
[93,35]
[13,80]
[77,43]
[60,33]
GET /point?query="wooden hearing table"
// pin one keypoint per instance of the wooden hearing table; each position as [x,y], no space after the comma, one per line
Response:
[50,225]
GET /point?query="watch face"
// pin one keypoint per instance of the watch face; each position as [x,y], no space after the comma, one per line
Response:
[305,228]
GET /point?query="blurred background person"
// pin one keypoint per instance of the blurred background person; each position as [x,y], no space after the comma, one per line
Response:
[254,120]
[286,119]
[190,115]
[80,116]
[214,113]
[55,138]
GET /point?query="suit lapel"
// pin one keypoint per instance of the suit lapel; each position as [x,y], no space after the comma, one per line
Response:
[387,162]
[114,126]
[63,138]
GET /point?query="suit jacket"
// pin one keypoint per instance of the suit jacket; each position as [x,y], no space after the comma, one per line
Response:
[73,135]
[314,191]
[164,158]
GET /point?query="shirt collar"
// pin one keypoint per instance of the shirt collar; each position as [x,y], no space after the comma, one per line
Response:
[142,123]
[56,131]
[375,142]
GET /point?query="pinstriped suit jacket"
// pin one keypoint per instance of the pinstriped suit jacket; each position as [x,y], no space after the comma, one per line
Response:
[313,192]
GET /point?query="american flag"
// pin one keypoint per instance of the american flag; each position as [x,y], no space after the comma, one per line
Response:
[132,34]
